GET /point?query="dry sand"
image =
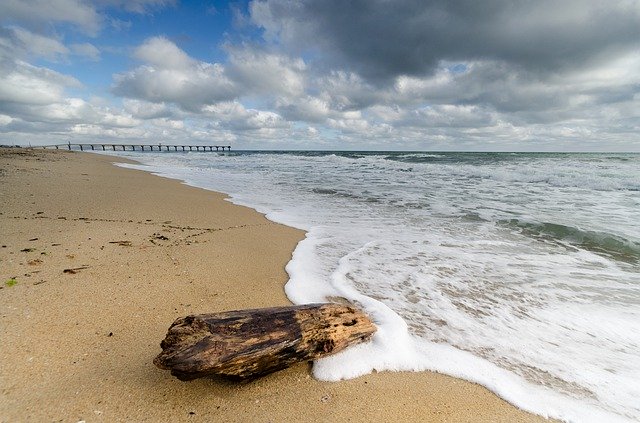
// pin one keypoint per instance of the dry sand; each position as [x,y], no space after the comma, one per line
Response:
[78,344]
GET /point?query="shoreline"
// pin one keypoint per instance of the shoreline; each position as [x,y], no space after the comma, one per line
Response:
[78,346]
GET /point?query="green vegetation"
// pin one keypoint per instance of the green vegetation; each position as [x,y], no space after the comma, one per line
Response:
[11,282]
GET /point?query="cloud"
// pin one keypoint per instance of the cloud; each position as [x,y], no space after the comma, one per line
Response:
[86,50]
[22,83]
[37,12]
[86,16]
[349,91]
[136,6]
[163,54]
[209,94]
[438,116]
[189,88]
[17,42]
[380,39]
[164,96]
[34,44]
[490,83]
[146,110]
[307,108]
[34,100]
[234,116]
[170,75]
[261,72]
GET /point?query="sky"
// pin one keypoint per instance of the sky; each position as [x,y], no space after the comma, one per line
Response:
[427,75]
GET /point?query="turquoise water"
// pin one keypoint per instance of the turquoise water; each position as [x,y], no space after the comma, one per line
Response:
[518,271]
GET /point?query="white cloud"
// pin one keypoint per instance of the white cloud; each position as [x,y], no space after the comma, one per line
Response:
[233,115]
[68,109]
[84,14]
[171,76]
[147,110]
[88,131]
[191,88]
[17,42]
[27,84]
[34,99]
[136,6]
[450,116]
[116,118]
[163,54]
[38,45]
[260,119]
[168,123]
[5,120]
[86,50]
[260,72]
[38,12]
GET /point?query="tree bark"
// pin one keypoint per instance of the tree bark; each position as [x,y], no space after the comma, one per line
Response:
[246,344]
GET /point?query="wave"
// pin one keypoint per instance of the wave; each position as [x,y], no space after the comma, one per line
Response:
[415,157]
[601,243]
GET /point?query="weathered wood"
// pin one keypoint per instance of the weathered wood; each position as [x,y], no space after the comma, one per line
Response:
[245,344]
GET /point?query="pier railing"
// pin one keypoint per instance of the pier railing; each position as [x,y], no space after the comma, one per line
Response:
[137,147]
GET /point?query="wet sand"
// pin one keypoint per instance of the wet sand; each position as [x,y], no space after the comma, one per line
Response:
[97,261]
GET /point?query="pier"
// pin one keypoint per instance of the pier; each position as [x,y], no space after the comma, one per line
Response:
[138,147]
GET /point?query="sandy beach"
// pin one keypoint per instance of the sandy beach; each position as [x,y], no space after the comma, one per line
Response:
[97,261]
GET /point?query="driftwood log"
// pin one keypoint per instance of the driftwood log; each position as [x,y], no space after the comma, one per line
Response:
[246,344]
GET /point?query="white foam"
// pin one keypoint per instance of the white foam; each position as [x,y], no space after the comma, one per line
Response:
[393,348]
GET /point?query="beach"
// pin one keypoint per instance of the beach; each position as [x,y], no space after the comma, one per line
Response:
[97,261]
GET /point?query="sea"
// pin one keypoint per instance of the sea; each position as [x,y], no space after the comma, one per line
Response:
[517,271]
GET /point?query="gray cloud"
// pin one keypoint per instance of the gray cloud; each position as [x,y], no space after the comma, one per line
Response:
[456,70]
[385,39]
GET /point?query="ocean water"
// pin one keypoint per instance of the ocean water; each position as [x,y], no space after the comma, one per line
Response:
[520,272]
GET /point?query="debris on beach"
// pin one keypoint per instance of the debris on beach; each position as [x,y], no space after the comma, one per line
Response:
[74,270]
[121,243]
[246,344]
[159,237]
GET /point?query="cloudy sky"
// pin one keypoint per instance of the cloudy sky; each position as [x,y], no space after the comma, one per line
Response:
[496,75]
